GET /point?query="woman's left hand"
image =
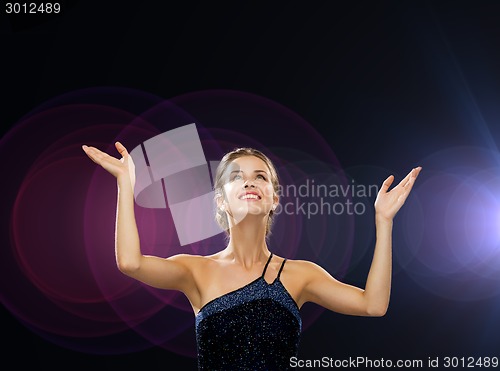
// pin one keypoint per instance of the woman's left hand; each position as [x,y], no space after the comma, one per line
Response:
[388,202]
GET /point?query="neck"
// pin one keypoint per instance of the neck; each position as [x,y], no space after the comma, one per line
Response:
[247,242]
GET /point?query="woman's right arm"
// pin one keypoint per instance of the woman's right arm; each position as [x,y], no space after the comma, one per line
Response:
[168,273]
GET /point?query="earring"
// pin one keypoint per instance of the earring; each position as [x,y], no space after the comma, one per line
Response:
[222,208]
[274,207]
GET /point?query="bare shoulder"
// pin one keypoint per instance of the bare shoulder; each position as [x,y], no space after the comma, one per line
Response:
[189,259]
[298,275]
[185,258]
[308,271]
[303,270]
[194,262]
[303,266]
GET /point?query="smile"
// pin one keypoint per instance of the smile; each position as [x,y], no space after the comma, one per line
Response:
[250,196]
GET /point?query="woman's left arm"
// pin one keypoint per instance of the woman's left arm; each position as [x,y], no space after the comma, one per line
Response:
[378,285]
[323,289]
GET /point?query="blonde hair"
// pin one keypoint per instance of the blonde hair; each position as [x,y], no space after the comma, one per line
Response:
[219,181]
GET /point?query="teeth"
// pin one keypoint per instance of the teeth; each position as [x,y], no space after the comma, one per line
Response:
[245,197]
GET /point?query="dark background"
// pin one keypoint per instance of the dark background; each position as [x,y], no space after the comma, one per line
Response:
[384,82]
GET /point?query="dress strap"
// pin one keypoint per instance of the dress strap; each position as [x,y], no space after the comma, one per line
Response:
[281,268]
[268,260]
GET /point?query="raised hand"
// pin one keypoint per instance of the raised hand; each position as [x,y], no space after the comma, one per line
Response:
[122,169]
[388,202]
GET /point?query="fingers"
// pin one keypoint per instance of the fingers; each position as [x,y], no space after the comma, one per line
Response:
[91,152]
[387,183]
[94,154]
[406,183]
[406,179]
[97,155]
[121,149]
[411,177]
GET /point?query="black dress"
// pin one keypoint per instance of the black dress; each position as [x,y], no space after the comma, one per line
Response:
[256,327]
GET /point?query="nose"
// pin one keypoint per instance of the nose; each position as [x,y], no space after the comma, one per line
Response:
[249,183]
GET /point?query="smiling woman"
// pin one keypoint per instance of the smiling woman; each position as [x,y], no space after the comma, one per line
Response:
[246,300]
[253,177]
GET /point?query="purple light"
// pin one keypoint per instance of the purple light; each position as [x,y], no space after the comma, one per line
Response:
[451,225]
[68,288]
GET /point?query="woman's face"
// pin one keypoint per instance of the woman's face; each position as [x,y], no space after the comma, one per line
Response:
[248,188]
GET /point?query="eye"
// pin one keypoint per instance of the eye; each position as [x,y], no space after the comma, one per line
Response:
[261,177]
[236,177]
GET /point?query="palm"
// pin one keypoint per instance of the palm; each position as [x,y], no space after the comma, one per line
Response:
[388,202]
[116,167]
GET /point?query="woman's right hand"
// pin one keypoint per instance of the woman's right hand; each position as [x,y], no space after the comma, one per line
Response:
[122,169]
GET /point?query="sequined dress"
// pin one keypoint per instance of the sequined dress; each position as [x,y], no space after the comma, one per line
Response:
[255,327]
